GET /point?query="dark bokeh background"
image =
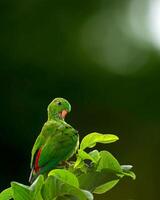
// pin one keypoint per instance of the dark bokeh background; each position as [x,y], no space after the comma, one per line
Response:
[104,57]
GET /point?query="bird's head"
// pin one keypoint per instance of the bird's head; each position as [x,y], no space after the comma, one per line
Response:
[58,109]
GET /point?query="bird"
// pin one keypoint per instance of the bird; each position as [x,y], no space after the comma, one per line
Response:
[57,141]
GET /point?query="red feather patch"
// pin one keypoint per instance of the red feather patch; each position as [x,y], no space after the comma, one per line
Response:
[37,168]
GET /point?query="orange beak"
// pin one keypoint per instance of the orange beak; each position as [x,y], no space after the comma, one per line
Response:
[63,114]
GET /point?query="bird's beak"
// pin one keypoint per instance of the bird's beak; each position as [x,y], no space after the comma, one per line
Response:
[63,114]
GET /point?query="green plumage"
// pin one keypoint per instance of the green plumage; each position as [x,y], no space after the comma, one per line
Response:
[58,140]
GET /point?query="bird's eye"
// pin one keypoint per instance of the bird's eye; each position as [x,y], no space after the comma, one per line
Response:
[59,103]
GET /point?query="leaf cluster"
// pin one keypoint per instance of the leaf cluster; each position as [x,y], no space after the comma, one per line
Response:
[93,172]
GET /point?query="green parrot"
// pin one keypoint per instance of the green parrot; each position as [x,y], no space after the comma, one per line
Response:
[57,141]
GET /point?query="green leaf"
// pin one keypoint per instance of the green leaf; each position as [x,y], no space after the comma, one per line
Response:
[92,179]
[107,175]
[82,167]
[65,176]
[6,194]
[82,155]
[126,171]
[78,162]
[56,188]
[106,187]
[130,174]
[91,139]
[85,156]
[126,168]
[95,155]
[88,194]
[21,192]
[108,161]
[70,190]
[66,197]
[50,188]
[36,188]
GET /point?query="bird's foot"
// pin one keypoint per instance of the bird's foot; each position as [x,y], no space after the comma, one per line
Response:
[66,164]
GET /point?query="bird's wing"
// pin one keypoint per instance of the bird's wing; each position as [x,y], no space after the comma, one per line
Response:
[37,145]
[41,139]
[59,146]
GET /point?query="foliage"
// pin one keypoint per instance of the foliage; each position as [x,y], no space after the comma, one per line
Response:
[92,172]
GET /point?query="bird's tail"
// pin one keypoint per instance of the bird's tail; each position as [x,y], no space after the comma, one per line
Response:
[32,176]
[43,170]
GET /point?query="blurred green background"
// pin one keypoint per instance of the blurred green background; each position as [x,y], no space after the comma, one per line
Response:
[104,57]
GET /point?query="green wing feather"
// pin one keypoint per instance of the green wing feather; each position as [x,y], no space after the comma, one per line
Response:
[59,146]
[48,129]
[59,141]
[38,143]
